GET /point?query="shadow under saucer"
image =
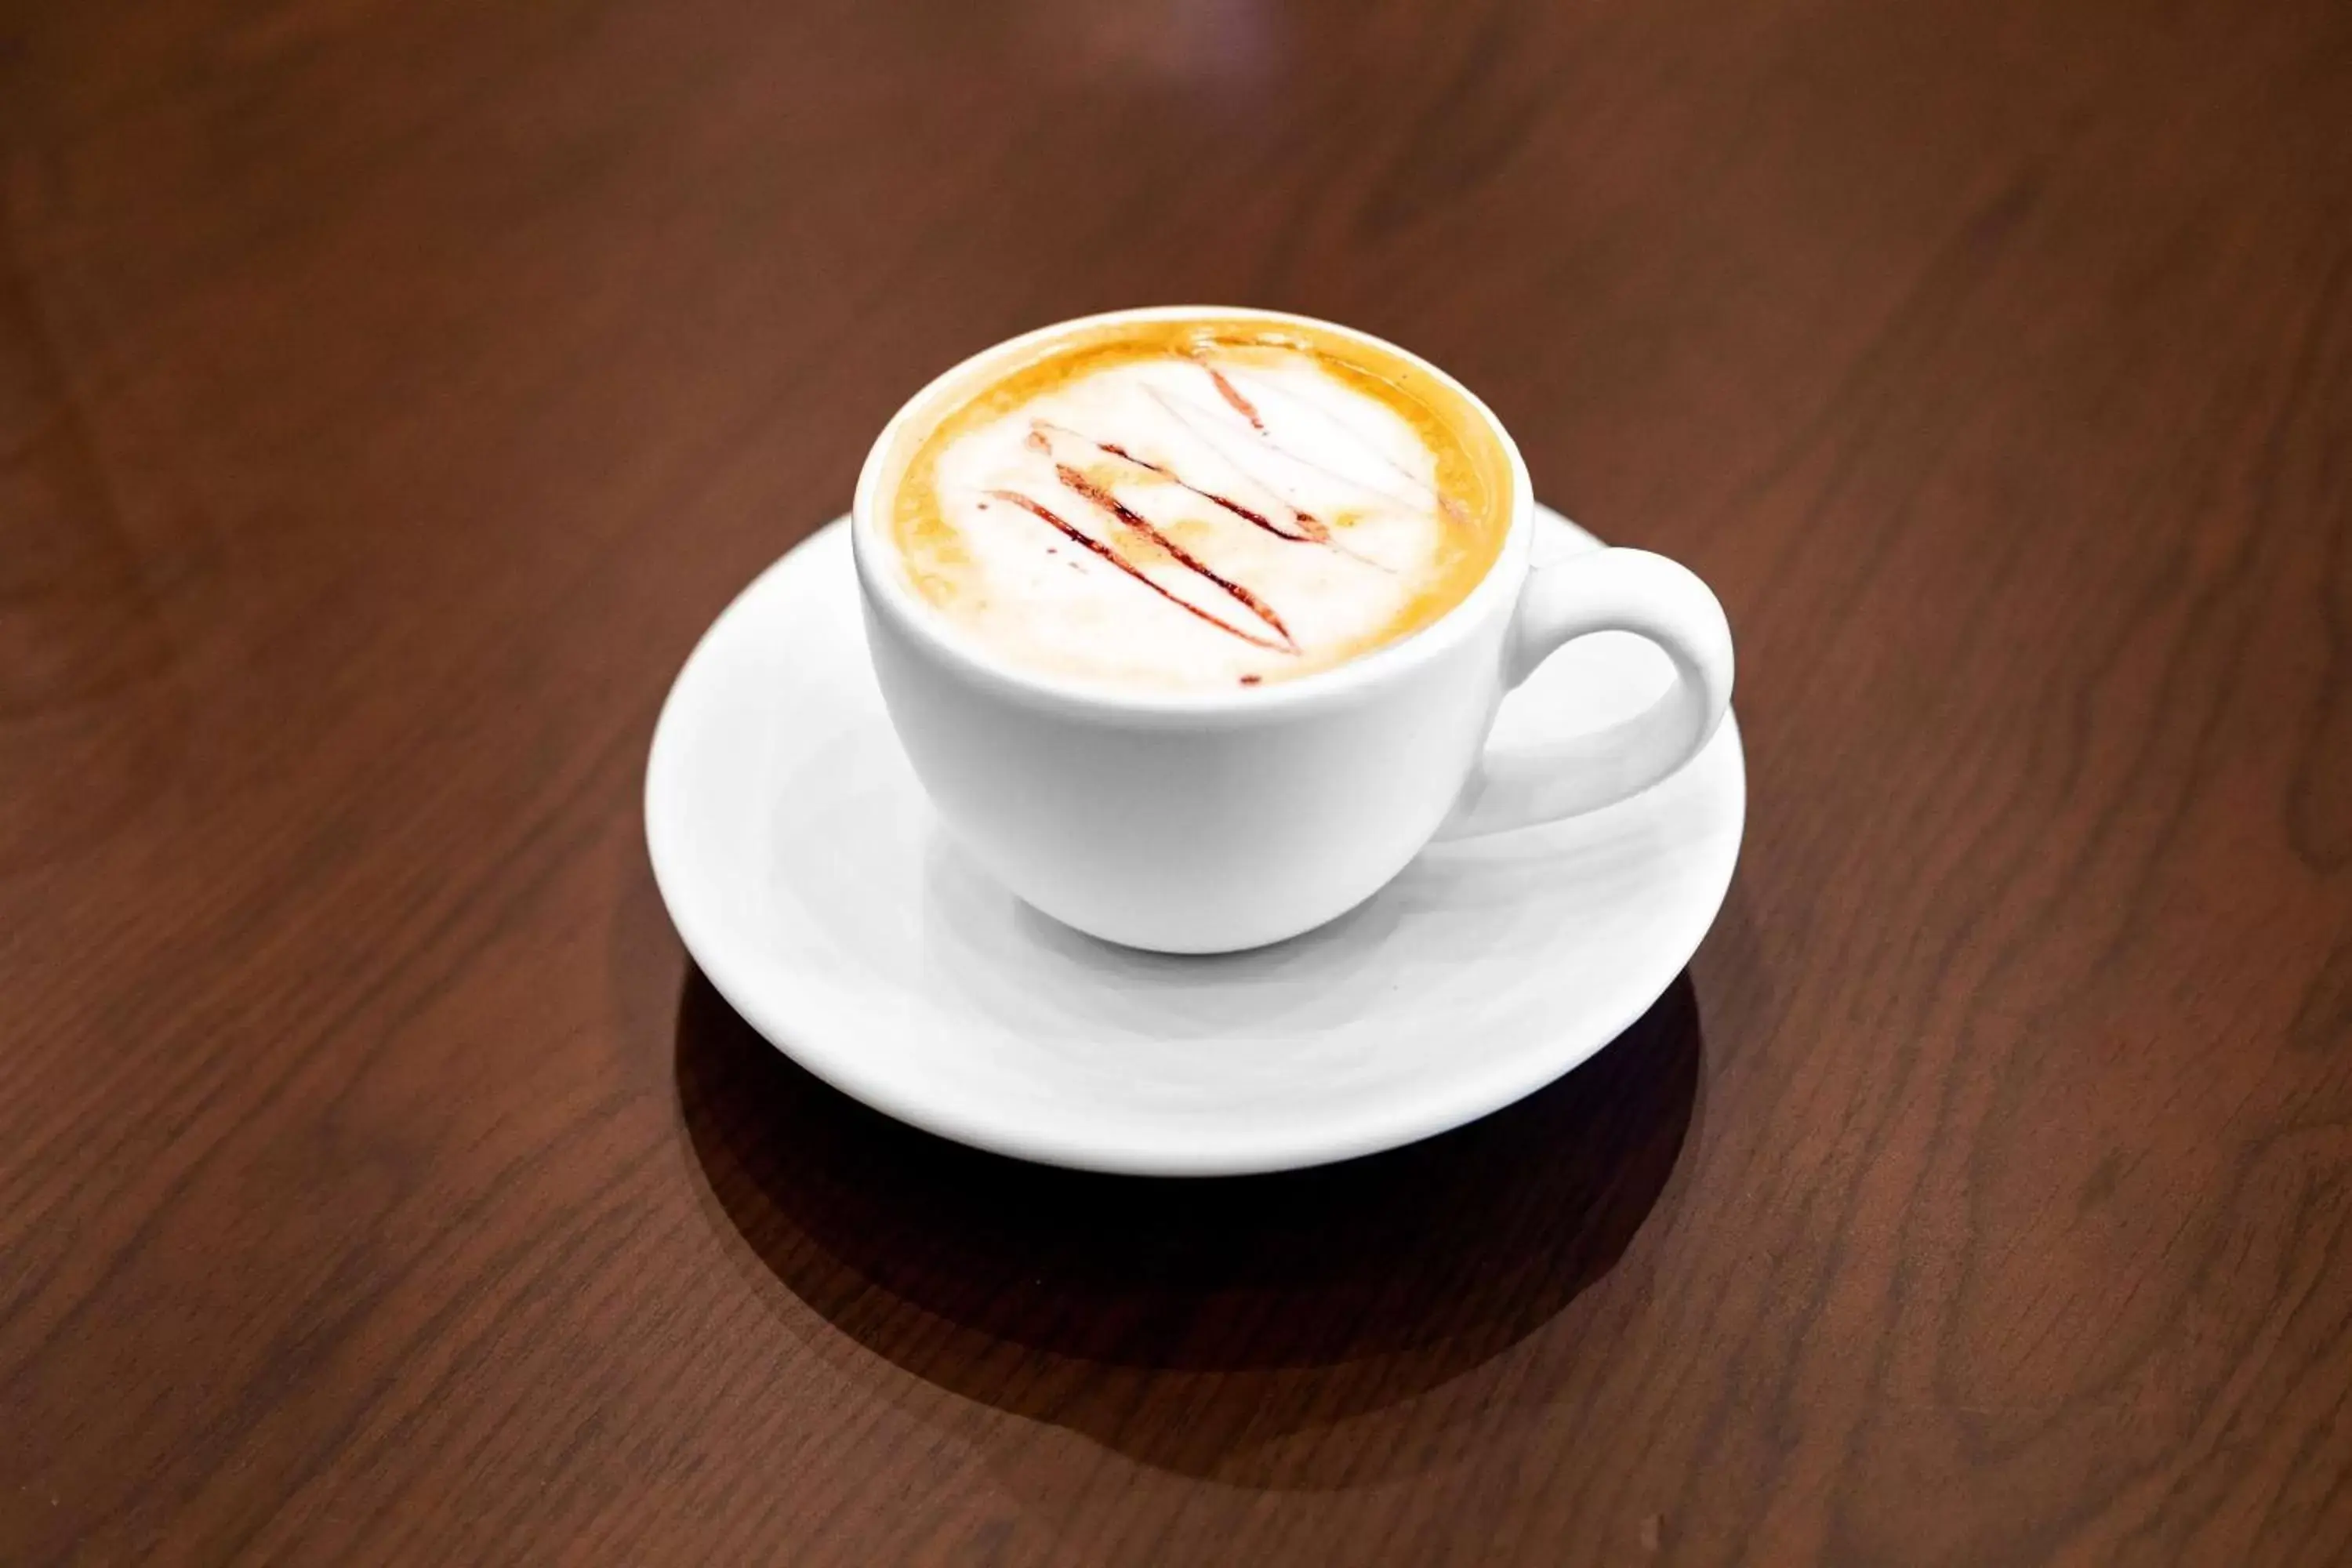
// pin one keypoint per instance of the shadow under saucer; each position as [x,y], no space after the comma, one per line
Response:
[1199,1325]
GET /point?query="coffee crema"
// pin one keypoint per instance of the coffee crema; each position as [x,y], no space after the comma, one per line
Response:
[1199,503]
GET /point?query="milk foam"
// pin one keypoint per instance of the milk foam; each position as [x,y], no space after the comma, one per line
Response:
[1211,515]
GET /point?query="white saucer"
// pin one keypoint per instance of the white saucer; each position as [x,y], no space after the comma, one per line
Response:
[810,880]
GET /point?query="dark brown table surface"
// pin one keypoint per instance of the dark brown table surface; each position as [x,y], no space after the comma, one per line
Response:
[390,393]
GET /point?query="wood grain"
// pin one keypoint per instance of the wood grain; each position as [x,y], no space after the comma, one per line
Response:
[390,393]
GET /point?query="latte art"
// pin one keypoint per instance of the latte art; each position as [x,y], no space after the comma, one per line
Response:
[1199,504]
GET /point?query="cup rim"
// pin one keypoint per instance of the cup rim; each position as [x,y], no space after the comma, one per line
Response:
[887,593]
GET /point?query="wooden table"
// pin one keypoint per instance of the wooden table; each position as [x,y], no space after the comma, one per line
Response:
[389,395]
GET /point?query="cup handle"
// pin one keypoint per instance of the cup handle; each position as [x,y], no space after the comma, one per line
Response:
[1604,590]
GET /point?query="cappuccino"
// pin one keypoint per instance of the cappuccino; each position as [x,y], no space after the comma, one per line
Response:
[1197,504]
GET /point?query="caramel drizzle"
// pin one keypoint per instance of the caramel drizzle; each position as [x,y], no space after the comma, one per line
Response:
[1310,530]
[1233,394]
[1073,479]
[1080,536]
[1452,506]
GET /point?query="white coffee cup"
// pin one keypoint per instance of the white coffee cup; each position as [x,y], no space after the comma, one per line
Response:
[1210,821]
